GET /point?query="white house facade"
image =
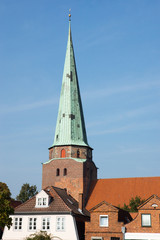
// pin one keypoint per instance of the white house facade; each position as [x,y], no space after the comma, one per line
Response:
[52,210]
[62,226]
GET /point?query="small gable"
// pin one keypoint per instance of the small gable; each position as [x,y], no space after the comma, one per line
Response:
[104,207]
[42,199]
[151,203]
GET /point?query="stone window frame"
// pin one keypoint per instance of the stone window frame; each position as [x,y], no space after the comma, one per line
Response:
[145,214]
[17,223]
[102,216]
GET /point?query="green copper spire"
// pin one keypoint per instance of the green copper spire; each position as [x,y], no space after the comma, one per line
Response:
[70,128]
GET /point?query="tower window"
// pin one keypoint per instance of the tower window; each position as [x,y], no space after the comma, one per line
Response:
[63,153]
[64,171]
[78,153]
[57,172]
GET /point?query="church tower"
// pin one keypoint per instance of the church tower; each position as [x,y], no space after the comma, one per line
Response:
[70,162]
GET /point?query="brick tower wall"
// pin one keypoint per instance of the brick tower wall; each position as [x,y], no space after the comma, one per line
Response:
[73,175]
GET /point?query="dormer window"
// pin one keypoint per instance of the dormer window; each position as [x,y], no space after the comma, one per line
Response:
[42,199]
[42,202]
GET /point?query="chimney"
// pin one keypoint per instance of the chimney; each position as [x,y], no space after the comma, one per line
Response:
[81,201]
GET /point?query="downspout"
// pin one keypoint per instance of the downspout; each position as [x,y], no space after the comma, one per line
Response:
[123,229]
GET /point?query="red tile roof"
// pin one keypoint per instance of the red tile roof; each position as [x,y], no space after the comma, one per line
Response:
[118,191]
[60,202]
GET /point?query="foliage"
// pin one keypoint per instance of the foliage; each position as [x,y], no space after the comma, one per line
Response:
[5,206]
[133,204]
[39,236]
[26,192]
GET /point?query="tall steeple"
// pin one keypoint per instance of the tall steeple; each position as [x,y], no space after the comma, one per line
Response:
[70,128]
[70,162]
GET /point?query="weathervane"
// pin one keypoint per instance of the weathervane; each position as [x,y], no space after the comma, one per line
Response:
[70,14]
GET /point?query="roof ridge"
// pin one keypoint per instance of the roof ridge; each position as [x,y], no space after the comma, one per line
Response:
[127,178]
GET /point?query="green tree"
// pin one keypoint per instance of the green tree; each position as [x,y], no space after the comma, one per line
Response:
[39,236]
[5,206]
[26,192]
[42,235]
[133,204]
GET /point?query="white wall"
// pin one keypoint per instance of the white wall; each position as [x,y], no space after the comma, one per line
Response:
[70,232]
[142,236]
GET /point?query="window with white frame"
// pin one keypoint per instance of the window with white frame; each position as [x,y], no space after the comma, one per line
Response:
[46,223]
[60,224]
[32,223]
[18,223]
[103,221]
[96,238]
[146,220]
[42,202]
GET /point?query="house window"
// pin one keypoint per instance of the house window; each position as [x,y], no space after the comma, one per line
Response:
[57,172]
[64,171]
[63,153]
[42,202]
[17,223]
[96,238]
[32,223]
[103,221]
[60,225]
[115,238]
[146,220]
[46,223]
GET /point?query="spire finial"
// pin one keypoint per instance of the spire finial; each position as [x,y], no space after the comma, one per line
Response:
[70,14]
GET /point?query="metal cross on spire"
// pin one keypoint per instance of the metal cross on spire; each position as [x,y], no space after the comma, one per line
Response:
[70,14]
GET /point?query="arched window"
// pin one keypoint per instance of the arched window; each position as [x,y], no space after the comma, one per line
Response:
[63,153]
[64,171]
[78,153]
[57,172]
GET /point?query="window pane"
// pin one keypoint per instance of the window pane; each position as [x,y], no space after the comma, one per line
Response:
[39,201]
[146,220]
[18,223]
[60,223]
[104,221]
[44,201]
[46,223]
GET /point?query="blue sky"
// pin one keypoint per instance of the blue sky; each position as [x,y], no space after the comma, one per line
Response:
[117,50]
